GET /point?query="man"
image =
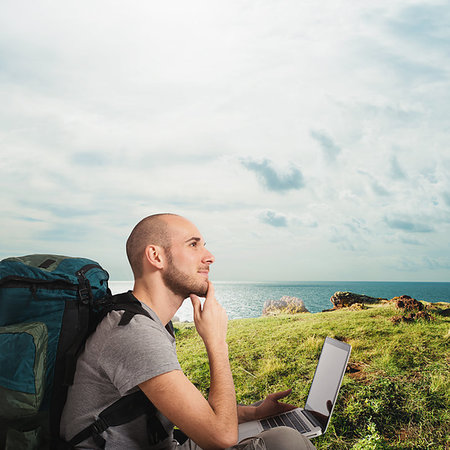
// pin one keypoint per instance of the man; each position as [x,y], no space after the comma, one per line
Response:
[170,263]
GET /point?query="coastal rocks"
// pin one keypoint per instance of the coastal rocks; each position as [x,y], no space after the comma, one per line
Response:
[286,305]
[412,317]
[440,308]
[348,299]
[407,303]
[412,309]
[415,309]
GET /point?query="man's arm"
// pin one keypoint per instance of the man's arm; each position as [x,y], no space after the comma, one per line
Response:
[209,423]
[270,406]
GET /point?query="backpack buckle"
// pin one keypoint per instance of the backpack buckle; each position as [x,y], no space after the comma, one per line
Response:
[99,426]
[84,290]
[85,294]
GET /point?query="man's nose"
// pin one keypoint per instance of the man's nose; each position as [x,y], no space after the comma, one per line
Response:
[209,257]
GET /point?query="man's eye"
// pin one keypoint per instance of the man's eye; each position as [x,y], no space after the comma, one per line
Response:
[193,244]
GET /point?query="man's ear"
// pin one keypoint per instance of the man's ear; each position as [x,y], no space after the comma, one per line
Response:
[154,255]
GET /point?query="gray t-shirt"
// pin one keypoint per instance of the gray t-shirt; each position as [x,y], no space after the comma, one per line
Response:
[115,360]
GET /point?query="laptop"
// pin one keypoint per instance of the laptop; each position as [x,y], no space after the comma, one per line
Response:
[313,419]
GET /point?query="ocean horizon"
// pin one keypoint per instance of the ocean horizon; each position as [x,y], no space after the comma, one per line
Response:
[245,299]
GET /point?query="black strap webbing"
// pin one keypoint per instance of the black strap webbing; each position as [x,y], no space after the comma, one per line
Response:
[131,306]
[123,411]
[82,332]
[71,355]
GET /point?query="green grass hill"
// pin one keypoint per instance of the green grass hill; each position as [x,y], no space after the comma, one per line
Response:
[395,393]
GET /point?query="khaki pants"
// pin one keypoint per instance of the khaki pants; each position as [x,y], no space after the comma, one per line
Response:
[280,438]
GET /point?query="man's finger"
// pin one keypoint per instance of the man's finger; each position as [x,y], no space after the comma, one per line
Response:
[210,293]
[281,394]
[196,304]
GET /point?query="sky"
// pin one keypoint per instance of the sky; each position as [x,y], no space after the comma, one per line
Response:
[306,140]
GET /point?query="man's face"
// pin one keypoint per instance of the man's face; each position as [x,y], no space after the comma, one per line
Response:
[188,260]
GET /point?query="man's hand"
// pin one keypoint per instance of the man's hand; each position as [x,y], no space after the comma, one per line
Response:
[211,423]
[211,321]
[270,406]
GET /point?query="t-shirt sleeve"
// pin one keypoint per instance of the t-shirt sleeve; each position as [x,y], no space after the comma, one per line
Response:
[137,352]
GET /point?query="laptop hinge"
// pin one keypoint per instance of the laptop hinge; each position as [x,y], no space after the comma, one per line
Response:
[310,416]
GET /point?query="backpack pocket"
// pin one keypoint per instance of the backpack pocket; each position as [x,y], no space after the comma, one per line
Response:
[23,349]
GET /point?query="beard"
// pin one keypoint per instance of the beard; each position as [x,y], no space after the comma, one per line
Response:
[182,284]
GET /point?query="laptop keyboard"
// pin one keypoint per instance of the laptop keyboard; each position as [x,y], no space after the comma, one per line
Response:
[289,419]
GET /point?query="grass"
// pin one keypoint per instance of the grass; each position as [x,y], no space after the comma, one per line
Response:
[395,394]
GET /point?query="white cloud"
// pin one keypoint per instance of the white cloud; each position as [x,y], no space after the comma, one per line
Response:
[111,113]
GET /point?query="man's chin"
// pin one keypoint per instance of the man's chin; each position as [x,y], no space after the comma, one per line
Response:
[201,290]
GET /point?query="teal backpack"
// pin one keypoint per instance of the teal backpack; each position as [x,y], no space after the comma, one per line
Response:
[48,307]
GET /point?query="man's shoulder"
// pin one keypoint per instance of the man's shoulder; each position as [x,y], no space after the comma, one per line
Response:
[140,346]
[140,330]
[113,324]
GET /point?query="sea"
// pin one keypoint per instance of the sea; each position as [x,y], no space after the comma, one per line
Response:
[246,299]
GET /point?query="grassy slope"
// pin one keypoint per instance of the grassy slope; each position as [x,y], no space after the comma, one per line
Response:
[397,397]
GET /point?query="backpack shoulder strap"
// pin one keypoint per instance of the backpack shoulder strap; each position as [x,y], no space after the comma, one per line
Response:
[132,306]
[124,410]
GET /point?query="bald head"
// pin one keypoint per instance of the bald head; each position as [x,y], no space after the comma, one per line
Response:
[153,230]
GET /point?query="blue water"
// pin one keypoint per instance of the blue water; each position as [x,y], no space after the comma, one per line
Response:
[246,299]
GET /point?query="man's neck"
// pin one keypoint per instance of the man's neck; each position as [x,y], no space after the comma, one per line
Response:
[160,299]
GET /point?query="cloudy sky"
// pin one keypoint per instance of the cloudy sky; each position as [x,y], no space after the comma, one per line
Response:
[307,140]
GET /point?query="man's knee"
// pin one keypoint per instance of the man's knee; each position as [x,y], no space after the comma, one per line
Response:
[285,438]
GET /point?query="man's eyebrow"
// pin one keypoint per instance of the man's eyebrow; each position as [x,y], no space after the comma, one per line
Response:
[193,238]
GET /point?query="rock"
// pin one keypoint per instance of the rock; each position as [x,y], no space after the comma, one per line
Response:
[358,306]
[411,317]
[286,305]
[424,315]
[407,303]
[346,299]
[415,309]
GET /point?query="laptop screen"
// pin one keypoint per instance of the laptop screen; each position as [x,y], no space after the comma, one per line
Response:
[327,380]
